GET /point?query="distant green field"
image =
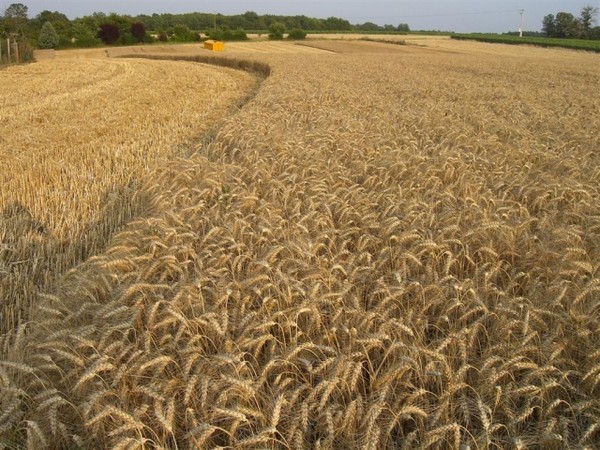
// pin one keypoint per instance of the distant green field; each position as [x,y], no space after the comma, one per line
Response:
[382,32]
[343,32]
[576,44]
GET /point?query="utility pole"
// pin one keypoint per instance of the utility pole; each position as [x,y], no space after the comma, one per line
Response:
[521,24]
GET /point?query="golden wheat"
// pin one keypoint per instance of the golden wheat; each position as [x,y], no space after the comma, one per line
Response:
[73,151]
[368,254]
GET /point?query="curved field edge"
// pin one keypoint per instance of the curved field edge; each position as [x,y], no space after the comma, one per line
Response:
[350,263]
[95,152]
[256,67]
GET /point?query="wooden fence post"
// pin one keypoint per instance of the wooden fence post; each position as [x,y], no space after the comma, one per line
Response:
[8,49]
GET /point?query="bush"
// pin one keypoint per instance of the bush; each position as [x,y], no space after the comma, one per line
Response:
[82,36]
[48,37]
[162,35]
[85,41]
[225,34]
[109,33]
[138,31]
[240,35]
[182,33]
[25,51]
[276,31]
[128,39]
[64,41]
[297,34]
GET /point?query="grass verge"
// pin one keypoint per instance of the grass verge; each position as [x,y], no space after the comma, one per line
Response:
[573,44]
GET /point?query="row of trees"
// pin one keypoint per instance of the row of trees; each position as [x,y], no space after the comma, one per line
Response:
[566,25]
[52,29]
[255,22]
[47,27]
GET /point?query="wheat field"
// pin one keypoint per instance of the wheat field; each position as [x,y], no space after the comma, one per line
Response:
[77,136]
[385,247]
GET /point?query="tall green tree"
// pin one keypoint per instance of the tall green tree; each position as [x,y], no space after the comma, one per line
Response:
[337,24]
[565,25]
[60,23]
[17,11]
[369,26]
[48,37]
[123,23]
[15,19]
[249,20]
[91,22]
[83,36]
[549,25]
[587,19]
[85,29]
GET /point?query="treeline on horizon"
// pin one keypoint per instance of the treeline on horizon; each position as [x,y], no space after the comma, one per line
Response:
[53,29]
[98,28]
[252,21]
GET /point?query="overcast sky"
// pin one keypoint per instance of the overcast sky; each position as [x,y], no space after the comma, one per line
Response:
[460,16]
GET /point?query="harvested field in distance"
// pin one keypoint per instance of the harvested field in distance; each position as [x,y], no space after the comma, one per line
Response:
[388,247]
[76,138]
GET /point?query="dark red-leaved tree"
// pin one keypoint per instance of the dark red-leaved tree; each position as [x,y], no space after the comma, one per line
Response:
[109,33]
[138,31]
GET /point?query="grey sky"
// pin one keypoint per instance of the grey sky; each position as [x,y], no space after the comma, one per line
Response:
[461,16]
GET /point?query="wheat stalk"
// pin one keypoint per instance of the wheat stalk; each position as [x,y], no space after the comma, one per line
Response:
[348,260]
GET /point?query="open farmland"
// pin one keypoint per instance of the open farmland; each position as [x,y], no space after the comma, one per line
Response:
[387,247]
[76,137]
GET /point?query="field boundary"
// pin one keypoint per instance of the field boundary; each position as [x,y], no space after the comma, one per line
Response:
[314,45]
[204,132]
[255,67]
[570,44]
[384,41]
